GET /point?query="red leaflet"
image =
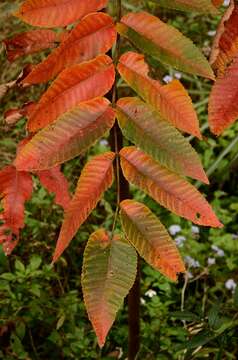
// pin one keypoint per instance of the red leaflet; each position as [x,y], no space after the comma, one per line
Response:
[223,105]
[72,86]
[29,42]
[15,188]
[225,46]
[94,35]
[55,181]
[55,13]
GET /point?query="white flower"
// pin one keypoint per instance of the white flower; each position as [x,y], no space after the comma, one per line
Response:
[230,284]
[189,274]
[167,78]
[192,262]
[195,229]
[174,229]
[142,301]
[211,261]
[179,240]
[150,293]
[226,2]
[103,142]
[219,252]
[211,33]
[177,75]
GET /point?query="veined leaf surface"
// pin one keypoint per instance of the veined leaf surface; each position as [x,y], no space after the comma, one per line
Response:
[225,45]
[78,83]
[15,188]
[109,271]
[164,42]
[202,6]
[55,182]
[171,100]
[166,187]
[94,35]
[96,178]
[29,42]
[55,13]
[223,105]
[67,137]
[143,126]
[150,238]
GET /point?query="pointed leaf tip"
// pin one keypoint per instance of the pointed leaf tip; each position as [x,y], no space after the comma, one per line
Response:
[109,271]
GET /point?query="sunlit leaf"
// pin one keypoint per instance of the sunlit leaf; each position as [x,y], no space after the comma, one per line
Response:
[150,238]
[109,271]
[55,182]
[225,46]
[72,86]
[143,126]
[202,6]
[166,187]
[164,42]
[54,13]
[223,105]
[171,100]
[67,137]
[15,188]
[29,42]
[96,178]
[94,35]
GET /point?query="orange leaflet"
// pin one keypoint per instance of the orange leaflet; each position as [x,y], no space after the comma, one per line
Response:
[15,188]
[29,42]
[150,238]
[55,13]
[72,86]
[94,35]
[96,178]
[167,188]
[171,101]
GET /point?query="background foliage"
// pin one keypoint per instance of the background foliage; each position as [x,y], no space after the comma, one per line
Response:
[41,311]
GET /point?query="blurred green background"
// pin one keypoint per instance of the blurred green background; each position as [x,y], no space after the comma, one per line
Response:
[42,315]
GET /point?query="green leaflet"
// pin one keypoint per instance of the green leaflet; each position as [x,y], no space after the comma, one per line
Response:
[109,271]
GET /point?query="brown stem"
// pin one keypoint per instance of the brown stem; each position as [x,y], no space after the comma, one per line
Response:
[123,193]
